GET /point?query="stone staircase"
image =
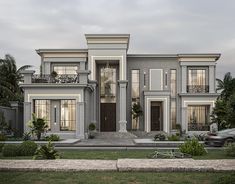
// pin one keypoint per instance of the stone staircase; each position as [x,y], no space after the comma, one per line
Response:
[114,135]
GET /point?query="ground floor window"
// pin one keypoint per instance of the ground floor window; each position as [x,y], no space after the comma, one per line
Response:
[173,114]
[42,110]
[198,117]
[68,116]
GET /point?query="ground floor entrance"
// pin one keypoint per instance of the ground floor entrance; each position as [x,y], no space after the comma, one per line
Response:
[108,117]
[156,116]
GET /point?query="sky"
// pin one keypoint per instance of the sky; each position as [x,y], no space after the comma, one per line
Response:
[155,26]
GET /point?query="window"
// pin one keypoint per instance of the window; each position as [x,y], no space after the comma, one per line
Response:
[135,94]
[42,110]
[198,117]
[197,81]
[173,114]
[173,83]
[68,116]
[173,98]
[68,70]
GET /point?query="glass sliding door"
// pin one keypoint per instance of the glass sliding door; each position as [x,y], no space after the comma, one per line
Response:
[65,70]
[68,115]
[42,110]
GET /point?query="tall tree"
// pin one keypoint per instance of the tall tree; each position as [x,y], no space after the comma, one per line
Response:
[10,77]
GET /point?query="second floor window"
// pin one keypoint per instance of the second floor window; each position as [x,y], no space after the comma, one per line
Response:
[66,70]
[197,81]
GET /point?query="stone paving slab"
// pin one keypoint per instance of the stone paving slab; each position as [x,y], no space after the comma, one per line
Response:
[156,165]
[175,165]
[58,165]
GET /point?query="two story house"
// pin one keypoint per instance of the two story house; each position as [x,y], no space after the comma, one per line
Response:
[101,84]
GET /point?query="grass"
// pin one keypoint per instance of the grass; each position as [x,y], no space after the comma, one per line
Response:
[117,154]
[115,177]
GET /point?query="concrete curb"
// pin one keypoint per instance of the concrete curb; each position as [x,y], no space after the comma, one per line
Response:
[121,165]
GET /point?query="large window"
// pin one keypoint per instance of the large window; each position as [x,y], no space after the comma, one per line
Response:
[42,110]
[68,70]
[173,98]
[135,94]
[173,83]
[197,81]
[198,117]
[173,114]
[68,115]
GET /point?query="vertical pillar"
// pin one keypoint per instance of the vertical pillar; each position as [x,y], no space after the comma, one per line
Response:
[80,120]
[122,121]
[184,119]
[27,115]
[184,79]
[212,79]
[94,103]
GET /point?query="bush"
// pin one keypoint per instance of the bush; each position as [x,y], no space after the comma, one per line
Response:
[3,137]
[46,152]
[173,138]
[10,150]
[91,127]
[26,136]
[160,137]
[1,146]
[27,148]
[230,150]
[192,147]
[52,137]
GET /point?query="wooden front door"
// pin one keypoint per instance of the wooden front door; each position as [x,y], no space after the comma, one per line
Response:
[156,122]
[108,117]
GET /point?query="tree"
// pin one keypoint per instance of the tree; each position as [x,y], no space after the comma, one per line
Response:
[136,111]
[10,77]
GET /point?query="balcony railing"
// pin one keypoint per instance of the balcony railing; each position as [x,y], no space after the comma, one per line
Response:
[37,78]
[197,88]
[198,127]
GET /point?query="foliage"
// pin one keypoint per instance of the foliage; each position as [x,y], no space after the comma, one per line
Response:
[224,112]
[192,147]
[52,137]
[2,137]
[38,126]
[179,129]
[168,155]
[54,74]
[10,77]
[230,150]
[46,152]
[160,137]
[91,127]
[10,150]
[4,127]
[136,110]
[173,138]
[26,136]
[27,148]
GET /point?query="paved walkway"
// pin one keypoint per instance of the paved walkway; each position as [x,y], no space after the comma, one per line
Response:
[157,165]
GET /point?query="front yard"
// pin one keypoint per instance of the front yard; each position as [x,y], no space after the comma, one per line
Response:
[117,154]
[115,177]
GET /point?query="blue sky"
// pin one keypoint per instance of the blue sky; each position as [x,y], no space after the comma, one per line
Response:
[156,26]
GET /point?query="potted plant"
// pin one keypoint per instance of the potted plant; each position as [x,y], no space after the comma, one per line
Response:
[136,111]
[91,129]
[38,126]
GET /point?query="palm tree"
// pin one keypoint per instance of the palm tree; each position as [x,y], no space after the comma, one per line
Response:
[10,77]
[227,85]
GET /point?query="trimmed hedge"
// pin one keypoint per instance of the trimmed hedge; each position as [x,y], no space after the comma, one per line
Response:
[27,148]
[10,150]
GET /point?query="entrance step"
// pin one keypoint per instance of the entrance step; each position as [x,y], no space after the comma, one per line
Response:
[143,134]
[114,135]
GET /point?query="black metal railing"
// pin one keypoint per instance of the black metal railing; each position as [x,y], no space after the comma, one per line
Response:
[197,88]
[38,78]
[198,127]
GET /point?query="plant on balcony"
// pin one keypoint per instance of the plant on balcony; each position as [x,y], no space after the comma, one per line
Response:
[136,111]
[54,74]
[38,126]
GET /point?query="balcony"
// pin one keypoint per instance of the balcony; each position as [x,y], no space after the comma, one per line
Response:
[198,127]
[38,78]
[198,88]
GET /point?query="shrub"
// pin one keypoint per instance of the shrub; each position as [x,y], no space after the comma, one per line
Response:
[38,126]
[26,136]
[52,137]
[160,137]
[27,148]
[91,127]
[192,147]
[2,137]
[1,146]
[46,152]
[173,138]
[230,150]
[10,150]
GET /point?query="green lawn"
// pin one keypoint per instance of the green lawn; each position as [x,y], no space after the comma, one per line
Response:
[115,178]
[116,154]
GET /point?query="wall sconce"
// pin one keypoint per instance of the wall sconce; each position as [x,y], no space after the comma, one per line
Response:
[144,79]
[165,79]
[55,119]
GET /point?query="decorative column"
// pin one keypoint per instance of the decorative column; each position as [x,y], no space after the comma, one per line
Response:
[184,79]
[122,121]
[80,121]
[94,102]
[28,76]
[27,115]
[184,119]
[212,79]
